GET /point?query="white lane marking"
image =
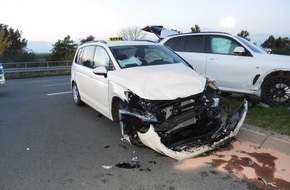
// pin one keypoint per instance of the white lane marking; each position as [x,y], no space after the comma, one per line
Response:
[36,81]
[59,93]
[60,84]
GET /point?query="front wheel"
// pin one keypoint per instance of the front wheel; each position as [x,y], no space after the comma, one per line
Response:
[76,95]
[276,91]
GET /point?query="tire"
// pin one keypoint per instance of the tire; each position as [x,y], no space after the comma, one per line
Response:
[76,95]
[276,91]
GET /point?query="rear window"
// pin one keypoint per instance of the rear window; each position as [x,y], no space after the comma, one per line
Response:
[176,44]
[186,44]
[194,44]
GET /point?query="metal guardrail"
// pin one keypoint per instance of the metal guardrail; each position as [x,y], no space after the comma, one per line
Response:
[21,67]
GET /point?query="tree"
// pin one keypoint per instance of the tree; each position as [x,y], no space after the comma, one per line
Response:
[132,33]
[278,46]
[13,46]
[269,42]
[63,50]
[89,38]
[244,34]
[3,42]
[195,29]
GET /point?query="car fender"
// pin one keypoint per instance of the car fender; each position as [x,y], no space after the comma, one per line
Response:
[115,91]
[258,84]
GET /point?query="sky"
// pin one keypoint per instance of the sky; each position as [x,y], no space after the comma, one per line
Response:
[52,20]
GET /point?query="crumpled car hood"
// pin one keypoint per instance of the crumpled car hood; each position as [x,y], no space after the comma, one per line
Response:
[160,82]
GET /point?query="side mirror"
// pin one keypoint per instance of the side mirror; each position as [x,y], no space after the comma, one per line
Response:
[239,50]
[100,71]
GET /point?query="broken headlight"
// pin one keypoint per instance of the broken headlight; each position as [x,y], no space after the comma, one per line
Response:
[138,108]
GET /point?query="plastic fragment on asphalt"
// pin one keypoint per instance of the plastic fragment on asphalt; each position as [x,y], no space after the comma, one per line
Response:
[134,164]
[125,165]
[146,169]
[272,184]
[250,162]
[27,149]
[152,162]
[262,180]
[107,167]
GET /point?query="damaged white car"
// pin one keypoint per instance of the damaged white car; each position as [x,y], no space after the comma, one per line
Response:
[157,97]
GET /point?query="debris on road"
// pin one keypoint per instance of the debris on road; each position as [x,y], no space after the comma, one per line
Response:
[125,165]
[107,146]
[135,163]
[272,184]
[107,167]
[146,169]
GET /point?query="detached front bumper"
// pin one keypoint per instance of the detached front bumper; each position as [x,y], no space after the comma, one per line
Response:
[152,140]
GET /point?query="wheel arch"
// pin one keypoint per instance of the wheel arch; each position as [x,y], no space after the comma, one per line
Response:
[72,83]
[275,73]
[115,108]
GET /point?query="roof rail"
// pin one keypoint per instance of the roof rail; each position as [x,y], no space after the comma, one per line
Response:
[95,41]
[202,32]
[145,41]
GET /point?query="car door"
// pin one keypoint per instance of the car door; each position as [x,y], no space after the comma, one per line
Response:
[231,71]
[99,83]
[192,49]
[84,71]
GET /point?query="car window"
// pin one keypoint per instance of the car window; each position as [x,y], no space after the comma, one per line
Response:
[79,54]
[102,59]
[194,44]
[176,44]
[144,55]
[221,45]
[88,56]
[252,46]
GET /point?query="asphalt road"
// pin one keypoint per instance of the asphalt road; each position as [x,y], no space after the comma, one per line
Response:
[46,142]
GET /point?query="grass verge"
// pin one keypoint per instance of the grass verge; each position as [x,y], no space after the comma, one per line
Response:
[272,118]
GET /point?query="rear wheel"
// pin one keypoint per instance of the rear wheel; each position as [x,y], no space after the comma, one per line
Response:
[76,95]
[276,91]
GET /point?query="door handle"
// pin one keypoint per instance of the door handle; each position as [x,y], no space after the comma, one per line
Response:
[213,59]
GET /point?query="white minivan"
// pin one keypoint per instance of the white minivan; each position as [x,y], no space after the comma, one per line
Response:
[156,97]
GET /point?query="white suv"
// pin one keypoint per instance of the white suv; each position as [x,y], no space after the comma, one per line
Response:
[2,78]
[236,64]
[157,98]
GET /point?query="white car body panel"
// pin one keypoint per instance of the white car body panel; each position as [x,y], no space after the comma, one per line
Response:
[170,81]
[229,71]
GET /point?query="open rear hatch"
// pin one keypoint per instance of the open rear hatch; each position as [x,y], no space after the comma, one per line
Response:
[159,31]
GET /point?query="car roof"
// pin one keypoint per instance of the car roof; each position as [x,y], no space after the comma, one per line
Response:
[120,43]
[199,33]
